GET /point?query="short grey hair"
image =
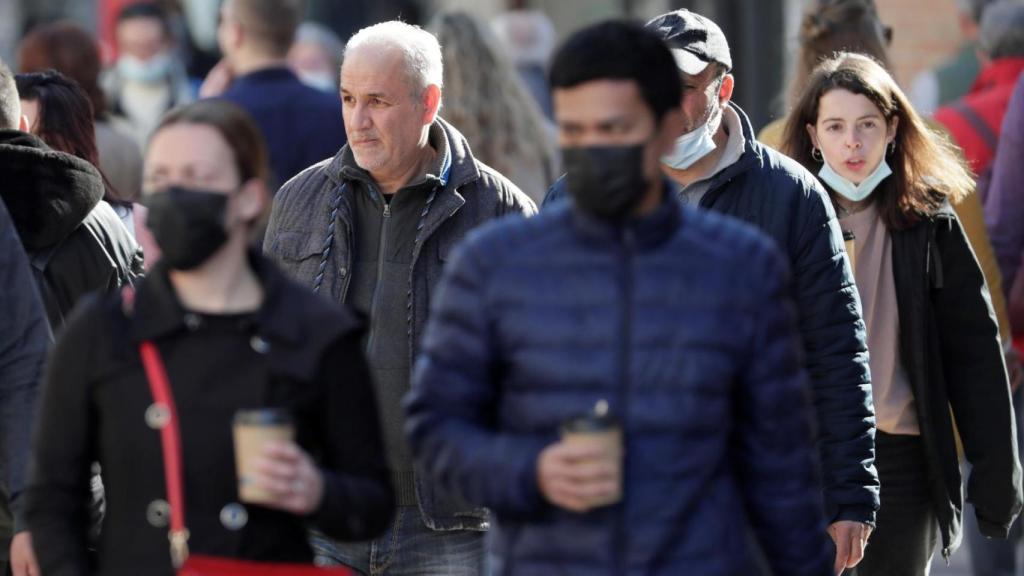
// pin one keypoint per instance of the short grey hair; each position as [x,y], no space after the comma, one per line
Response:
[1002,29]
[420,49]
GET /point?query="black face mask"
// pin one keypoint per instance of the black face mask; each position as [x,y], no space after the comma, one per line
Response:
[187,224]
[606,181]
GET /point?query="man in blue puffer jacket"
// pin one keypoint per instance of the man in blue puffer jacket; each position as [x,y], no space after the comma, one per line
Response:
[677,322]
[718,165]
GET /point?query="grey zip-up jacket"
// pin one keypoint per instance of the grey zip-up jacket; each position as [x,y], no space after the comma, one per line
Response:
[311,236]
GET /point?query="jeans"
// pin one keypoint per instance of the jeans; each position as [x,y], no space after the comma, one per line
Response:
[407,548]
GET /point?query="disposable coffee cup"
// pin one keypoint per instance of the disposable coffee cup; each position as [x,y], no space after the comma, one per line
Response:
[600,430]
[252,429]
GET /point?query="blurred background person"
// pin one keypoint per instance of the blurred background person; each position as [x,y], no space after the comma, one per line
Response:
[55,193]
[233,334]
[932,336]
[953,77]
[59,112]
[528,37]
[301,125]
[76,243]
[828,27]
[486,100]
[975,120]
[1004,215]
[1004,207]
[148,78]
[69,49]
[23,343]
[315,56]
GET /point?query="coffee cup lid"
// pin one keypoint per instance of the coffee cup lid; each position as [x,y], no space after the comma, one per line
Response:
[263,417]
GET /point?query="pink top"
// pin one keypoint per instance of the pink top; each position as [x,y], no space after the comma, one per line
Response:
[895,410]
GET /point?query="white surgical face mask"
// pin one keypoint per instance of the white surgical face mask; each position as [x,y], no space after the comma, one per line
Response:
[693,146]
[323,81]
[849,190]
[145,71]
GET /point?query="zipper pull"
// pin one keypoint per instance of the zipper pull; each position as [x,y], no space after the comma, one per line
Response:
[387,210]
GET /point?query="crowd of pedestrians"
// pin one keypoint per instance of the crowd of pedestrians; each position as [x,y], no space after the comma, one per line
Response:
[450,301]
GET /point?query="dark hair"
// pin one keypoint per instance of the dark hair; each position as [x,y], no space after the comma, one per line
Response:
[236,127]
[271,22]
[839,26]
[149,10]
[926,166]
[69,49]
[10,104]
[65,120]
[617,50]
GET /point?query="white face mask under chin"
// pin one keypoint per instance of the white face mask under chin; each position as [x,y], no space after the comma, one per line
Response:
[693,146]
[849,190]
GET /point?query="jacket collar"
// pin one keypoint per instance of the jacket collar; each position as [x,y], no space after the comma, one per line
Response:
[1001,72]
[753,152]
[158,311]
[47,192]
[646,232]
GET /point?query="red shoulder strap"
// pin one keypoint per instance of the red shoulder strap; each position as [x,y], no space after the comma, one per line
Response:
[170,440]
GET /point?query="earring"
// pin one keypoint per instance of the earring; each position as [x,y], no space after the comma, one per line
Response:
[816,154]
[892,147]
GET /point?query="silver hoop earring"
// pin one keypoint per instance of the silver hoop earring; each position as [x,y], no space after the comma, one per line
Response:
[816,154]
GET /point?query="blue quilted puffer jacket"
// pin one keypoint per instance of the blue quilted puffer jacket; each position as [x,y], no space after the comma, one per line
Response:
[681,322]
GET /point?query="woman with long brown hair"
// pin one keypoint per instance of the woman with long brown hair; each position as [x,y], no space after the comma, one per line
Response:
[831,26]
[932,334]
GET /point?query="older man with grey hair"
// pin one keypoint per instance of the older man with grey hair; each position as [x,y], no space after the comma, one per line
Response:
[372,227]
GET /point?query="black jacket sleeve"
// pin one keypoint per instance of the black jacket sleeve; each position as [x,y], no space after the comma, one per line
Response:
[976,379]
[834,337]
[358,499]
[56,510]
[24,336]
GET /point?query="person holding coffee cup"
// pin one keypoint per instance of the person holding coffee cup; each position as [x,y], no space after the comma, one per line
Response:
[618,378]
[263,375]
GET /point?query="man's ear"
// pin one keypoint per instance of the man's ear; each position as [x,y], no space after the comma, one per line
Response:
[431,103]
[725,92]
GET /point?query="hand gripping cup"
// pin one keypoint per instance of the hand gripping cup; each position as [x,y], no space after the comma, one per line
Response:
[599,429]
[252,430]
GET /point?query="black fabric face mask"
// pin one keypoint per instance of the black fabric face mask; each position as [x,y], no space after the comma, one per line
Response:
[605,181]
[187,224]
